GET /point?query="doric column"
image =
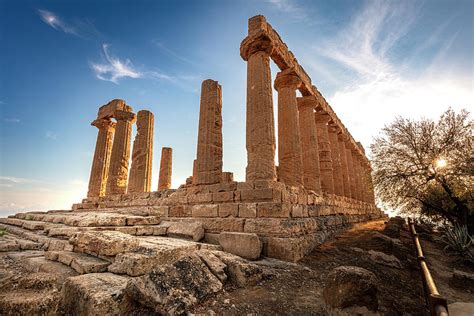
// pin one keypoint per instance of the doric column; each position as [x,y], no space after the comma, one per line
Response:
[260,126]
[371,184]
[341,138]
[351,169]
[309,143]
[336,161]
[142,154]
[325,160]
[209,147]
[119,159]
[357,175]
[100,164]
[290,169]
[166,169]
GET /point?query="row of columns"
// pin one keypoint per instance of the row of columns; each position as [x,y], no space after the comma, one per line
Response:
[110,166]
[312,151]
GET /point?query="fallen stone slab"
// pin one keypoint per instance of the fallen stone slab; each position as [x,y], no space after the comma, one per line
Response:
[33,225]
[174,288]
[95,294]
[239,271]
[348,286]
[461,309]
[214,264]
[244,245]
[104,243]
[189,230]
[30,302]
[151,252]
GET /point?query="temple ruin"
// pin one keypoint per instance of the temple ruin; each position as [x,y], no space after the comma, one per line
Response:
[323,178]
[124,246]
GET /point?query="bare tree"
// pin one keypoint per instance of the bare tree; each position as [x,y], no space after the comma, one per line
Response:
[427,167]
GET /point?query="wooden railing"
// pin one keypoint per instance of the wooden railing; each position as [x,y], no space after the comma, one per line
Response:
[436,304]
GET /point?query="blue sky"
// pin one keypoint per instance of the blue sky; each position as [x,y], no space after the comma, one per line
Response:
[61,60]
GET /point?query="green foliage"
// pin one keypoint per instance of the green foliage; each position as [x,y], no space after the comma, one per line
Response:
[2,231]
[458,240]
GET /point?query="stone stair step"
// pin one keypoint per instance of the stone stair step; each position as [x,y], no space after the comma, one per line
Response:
[80,262]
[30,302]
[46,242]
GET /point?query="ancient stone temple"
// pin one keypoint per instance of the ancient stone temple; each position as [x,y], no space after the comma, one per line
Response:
[322,183]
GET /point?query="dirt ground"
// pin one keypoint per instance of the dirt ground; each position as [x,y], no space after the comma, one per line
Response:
[296,289]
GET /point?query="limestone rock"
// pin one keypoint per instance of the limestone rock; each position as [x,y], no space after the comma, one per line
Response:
[190,230]
[107,243]
[244,245]
[347,286]
[95,294]
[384,259]
[240,272]
[215,265]
[174,288]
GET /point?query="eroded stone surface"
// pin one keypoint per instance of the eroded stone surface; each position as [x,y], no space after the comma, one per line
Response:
[244,245]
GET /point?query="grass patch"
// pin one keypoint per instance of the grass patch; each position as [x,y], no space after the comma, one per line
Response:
[3,232]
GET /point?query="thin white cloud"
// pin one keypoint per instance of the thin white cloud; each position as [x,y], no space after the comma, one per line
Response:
[11,120]
[376,87]
[56,22]
[51,135]
[291,8]
[114,69]
[16,180]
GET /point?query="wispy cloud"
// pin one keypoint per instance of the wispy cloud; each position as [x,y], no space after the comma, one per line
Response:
[16,180]
[113,68]
[378,87]
[11,120]
[172,53]
[56,22]
[290,7]
[79,27]
[51,135]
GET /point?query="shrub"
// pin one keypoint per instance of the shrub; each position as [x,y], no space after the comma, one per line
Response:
[458,241]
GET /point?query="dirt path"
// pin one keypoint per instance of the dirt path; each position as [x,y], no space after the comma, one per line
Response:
[296,289]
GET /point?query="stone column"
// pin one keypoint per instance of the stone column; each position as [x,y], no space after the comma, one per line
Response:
[119,159]
[290,169]
[358,184]
[100,164]
[336,161]
[371,185]
[341,138]
[142,154]
[166,169]
[209,148]
[260,125]
[325,159]
[351,169]
[309,143]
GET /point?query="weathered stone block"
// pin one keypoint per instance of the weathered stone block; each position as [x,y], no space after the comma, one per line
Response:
[244,245]
[229,210]
[248,210]
[191,230]
[272,209]
[180,211]
[223,196]
[299,210]
[209,210]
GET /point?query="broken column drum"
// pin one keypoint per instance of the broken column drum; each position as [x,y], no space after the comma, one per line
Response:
[166,168]
[209,147]
[142,154]
[100,164]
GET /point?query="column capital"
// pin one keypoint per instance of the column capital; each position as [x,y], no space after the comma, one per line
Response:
[342,136]
[333,128]
[103,123]
[307,102]
[287,79]
[322,117]
[125,116]
[258,42]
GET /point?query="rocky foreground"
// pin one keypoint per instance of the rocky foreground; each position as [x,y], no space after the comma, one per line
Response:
[53,264]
